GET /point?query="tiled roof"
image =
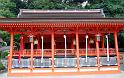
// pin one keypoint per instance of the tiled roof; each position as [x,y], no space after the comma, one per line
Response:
[84,13]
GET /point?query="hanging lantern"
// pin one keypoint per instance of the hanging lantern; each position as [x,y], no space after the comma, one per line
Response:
[91,41]
[35,41]
[98,37]
[31,38]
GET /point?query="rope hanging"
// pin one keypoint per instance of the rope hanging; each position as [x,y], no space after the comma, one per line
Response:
[65,46]
[42,50]
[86,47]
[107,48]
[20,49]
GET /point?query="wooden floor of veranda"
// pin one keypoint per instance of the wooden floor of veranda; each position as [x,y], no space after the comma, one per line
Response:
[120,75]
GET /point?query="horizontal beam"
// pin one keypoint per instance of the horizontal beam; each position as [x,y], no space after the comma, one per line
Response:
[63,24]
[65,73]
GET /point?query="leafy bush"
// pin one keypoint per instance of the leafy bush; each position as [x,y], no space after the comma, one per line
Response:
[2,67]
[3,54]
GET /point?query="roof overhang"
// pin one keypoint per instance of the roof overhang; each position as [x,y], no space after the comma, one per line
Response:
[84,13]
[39,22]
[37,25]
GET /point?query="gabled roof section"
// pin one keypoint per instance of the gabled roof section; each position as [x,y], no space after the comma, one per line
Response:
[61,14]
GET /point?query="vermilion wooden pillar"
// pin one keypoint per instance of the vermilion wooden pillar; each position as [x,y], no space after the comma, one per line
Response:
[77,50]
[116,49]
[103,46]
[32,50]
[39,41]
[52,46]
[97,51]
[11,50]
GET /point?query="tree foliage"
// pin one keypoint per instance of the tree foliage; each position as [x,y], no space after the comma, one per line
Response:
[52,4]
[5,36]
[6,8]
[112,8]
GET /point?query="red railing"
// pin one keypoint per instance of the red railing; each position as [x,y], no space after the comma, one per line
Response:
[62,52]
[46,52]
[104,51]
[69,52]
[90,52]
[37,52]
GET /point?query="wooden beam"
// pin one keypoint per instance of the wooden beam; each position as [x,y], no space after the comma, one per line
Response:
[11,51]
[97,51]
[103,46]
[116,49]
[77,50]
[53,50]
[32,50]
[66,71]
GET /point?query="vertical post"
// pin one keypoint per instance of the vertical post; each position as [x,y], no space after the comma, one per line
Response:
[52,46]
[97,50]
[42,50]
[20,49]
[77,50]
[86,47]
[107,48]
[116,49]
[103,46]
[65,46]
[32,49]
[11,51]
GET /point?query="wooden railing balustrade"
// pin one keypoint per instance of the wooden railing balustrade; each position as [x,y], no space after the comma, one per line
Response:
[90,52]
[69,52]
[46,52]
[62,52]
[104,51]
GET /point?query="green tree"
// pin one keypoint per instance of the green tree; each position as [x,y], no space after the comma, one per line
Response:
[5,36]
[53,4]
[7,8]
[20,5]
[112,8]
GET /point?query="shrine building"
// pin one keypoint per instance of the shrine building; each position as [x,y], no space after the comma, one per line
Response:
[62,42]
